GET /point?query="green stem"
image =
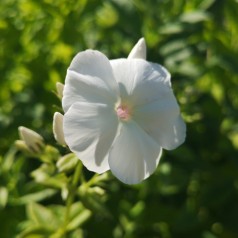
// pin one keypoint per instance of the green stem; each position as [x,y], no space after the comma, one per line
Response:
[92,180]
[72,192]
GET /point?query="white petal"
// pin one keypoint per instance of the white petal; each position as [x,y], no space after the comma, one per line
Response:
[141,82]
[170,134]
[139,50]
[161,119]
[89,130]
[157,114]
[89,78]
[134,155]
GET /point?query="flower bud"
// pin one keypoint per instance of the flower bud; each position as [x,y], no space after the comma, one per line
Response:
[33,140]
[59,89]
[58,128]
[67,163]
[139,50]
[21,145]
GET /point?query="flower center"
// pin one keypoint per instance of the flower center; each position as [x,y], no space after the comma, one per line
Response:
[123,112]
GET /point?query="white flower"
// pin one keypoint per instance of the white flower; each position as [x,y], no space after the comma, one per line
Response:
[119,114]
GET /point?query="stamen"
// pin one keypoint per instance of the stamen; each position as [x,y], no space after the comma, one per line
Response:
[123,112]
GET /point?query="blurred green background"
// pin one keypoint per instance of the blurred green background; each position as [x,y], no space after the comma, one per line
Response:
[194,192]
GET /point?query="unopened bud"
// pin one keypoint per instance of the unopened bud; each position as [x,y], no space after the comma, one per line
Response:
[59,89]
[33,140]
[21,145]
[139,50]
[98,190]
[67,163]
[58,128]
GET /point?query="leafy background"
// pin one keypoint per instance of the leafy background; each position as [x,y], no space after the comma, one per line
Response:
[194,192]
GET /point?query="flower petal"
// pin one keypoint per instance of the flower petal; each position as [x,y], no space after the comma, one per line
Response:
[139,50]
[159,120]
[141,82]
[89,130]
[89,78]
[134,155]
[170,135]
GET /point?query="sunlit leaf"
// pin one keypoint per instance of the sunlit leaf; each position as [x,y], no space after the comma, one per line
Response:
[194,17]
[35,197]
[3,197]
[41,216]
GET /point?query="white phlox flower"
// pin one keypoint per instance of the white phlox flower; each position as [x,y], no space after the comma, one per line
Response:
[120,113]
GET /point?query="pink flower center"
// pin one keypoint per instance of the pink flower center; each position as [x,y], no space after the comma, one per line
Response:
[123,112]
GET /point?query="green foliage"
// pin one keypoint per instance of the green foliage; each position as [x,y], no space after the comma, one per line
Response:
[194,191]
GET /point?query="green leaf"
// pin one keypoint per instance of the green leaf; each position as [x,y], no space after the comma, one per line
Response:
[206,4]
[43,172]
[75,209]
[194,17]
[178,57]
[173,46]
[93,201]
[45,175]
[50,154]
[8,160]
[58,181]
[59,213]
[41,216]
[208,234]
[171,28]
[3,197]
[107,16]
[188,68]
[35,197]
[78,215]
[78,233]
[137,209]
[35,232]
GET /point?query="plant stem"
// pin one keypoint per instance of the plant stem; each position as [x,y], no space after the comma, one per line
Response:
[72,191]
